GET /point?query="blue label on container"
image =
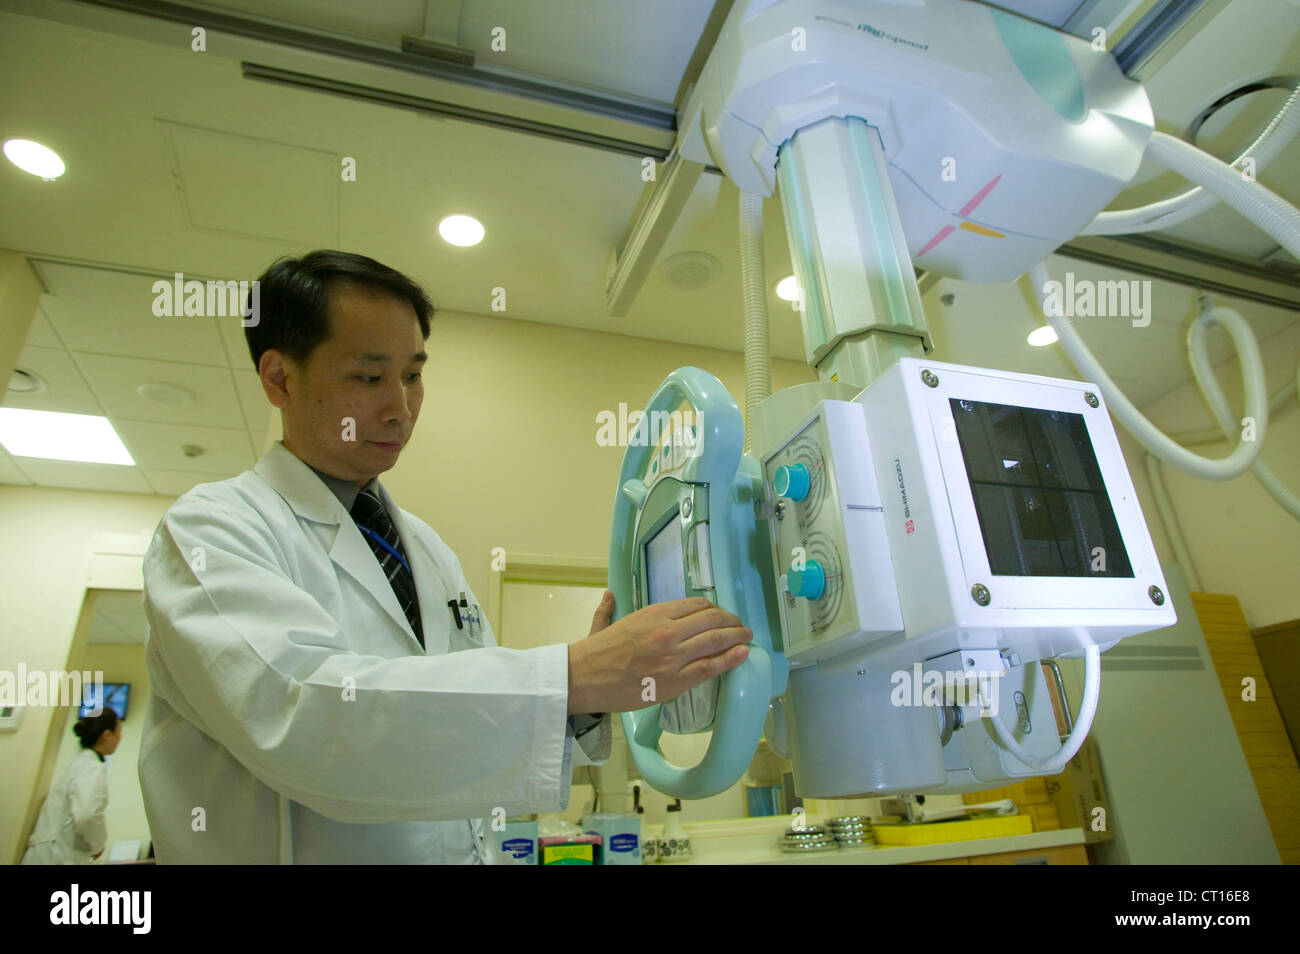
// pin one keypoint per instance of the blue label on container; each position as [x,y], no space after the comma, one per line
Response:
[622,843]
[517,847]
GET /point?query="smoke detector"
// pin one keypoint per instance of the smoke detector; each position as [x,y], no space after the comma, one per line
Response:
[170,395]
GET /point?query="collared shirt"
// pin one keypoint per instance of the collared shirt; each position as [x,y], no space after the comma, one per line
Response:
[346,490]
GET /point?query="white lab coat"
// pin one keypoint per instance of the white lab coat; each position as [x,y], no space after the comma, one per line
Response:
[71,829]
[293,715]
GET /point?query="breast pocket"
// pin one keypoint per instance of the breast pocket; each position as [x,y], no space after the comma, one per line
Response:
[472,636]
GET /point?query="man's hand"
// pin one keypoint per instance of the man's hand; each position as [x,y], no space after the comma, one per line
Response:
[677,645]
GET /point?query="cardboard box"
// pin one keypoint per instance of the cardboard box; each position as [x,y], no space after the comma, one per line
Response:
[1045,817]
[1030,791]
[1079,794]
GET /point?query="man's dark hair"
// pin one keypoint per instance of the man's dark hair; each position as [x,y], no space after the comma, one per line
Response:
[293,300]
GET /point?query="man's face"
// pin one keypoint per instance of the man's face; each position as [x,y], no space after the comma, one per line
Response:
[366,372]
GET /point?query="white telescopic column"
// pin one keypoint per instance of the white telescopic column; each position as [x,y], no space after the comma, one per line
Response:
[860,305]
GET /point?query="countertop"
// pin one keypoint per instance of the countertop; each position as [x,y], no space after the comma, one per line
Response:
[755,841]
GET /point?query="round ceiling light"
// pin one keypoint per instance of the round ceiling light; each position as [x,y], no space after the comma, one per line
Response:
[787,288]
[1042,337]
[461,230]
[35,158]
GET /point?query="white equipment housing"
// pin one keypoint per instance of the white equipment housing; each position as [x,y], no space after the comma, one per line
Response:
[931,519]
[1003,137]
[969,520]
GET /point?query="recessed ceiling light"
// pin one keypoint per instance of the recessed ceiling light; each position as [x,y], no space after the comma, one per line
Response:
[34,158]
[1040,337]
[462,230]
[788,288]
[56,436]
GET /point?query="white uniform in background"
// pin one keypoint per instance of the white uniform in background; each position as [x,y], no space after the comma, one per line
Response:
[294,717]
[71,829]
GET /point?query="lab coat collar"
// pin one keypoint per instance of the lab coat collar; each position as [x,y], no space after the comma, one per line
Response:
[299,486]
[311,500]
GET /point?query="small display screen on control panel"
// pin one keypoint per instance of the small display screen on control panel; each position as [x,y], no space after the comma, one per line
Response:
[1042,505]
[664,567]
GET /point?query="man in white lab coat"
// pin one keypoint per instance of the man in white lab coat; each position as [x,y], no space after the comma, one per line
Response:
[315,699]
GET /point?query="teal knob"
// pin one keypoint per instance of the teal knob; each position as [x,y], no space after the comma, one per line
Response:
[810,582]
[792,481]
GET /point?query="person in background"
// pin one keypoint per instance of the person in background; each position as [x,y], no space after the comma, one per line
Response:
[71,829]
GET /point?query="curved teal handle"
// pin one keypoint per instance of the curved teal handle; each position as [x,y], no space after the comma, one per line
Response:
[746,691]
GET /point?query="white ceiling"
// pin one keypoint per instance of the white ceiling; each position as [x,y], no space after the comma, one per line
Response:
[179,164]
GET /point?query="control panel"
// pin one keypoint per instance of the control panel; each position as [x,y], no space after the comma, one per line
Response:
[829,545]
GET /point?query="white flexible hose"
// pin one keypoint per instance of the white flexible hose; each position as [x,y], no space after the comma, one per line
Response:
[758,360]
[1159,215]
[1055,764]
[1256,202]
[1282,397]
[1146,433]
[1209,386]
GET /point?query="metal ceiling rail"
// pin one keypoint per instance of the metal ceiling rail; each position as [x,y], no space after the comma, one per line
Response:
[642,112]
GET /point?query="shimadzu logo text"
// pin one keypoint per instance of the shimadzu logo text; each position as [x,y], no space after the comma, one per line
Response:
[103,907]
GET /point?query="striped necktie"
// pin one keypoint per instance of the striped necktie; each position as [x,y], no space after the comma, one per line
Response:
[373,522]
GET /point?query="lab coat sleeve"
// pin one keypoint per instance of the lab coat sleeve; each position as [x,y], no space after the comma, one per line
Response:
[256,663]
[88,802]
[593,740]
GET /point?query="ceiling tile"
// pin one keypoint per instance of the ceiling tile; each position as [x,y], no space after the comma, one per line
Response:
[104,311]
[248,186]
[116,380]
[41,334]
[158,446]
[74,475]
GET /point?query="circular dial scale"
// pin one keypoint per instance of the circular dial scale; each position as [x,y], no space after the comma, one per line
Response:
[819,547]
[804,450]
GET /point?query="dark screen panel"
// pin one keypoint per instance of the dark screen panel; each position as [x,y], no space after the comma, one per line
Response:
[1039,496]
